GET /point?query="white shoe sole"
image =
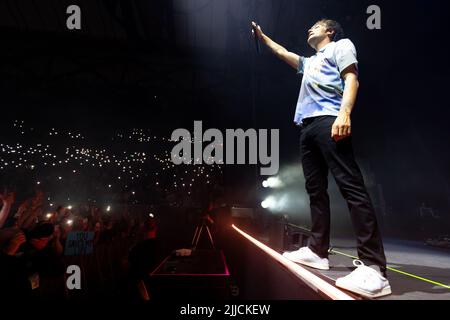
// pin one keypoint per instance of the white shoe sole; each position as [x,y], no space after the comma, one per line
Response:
[309,264]
[384,292]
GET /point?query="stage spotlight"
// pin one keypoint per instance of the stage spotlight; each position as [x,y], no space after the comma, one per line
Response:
[268,203]
[272,182]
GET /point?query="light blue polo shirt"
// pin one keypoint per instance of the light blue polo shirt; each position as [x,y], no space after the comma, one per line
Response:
[322,86]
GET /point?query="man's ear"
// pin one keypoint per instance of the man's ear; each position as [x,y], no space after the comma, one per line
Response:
[331,34]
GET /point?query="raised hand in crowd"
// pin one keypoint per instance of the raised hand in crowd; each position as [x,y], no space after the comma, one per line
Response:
[7,199]
[29,210]
[13,245]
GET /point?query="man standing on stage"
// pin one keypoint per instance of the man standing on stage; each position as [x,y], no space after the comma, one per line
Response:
[327,96]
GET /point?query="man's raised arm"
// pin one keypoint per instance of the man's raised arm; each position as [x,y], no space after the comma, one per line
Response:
[289,57]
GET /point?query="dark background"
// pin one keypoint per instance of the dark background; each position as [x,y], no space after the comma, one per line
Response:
[163,64]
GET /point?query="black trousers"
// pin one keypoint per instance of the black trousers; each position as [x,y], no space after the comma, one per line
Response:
[320,154]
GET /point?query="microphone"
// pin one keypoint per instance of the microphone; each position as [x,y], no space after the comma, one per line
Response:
[256,38]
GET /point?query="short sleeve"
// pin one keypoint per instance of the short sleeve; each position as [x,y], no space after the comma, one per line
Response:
[301,65]
[345,54]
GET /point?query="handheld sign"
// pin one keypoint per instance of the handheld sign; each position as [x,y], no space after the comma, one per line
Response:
[79,243]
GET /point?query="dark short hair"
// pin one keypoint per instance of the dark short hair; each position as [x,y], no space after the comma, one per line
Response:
[335,27]
[42,230]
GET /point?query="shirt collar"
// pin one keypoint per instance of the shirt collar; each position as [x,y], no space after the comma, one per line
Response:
[325,46]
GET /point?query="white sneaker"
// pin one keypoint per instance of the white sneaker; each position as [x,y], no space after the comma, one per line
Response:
[308,258]
[365,281]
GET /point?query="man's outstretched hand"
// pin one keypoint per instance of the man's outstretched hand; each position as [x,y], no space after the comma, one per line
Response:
[256,29]
[341,127]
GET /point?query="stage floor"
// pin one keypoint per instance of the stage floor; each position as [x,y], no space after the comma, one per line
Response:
[415,271]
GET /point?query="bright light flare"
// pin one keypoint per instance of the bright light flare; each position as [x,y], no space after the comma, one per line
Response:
[272,182]
[268,203]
